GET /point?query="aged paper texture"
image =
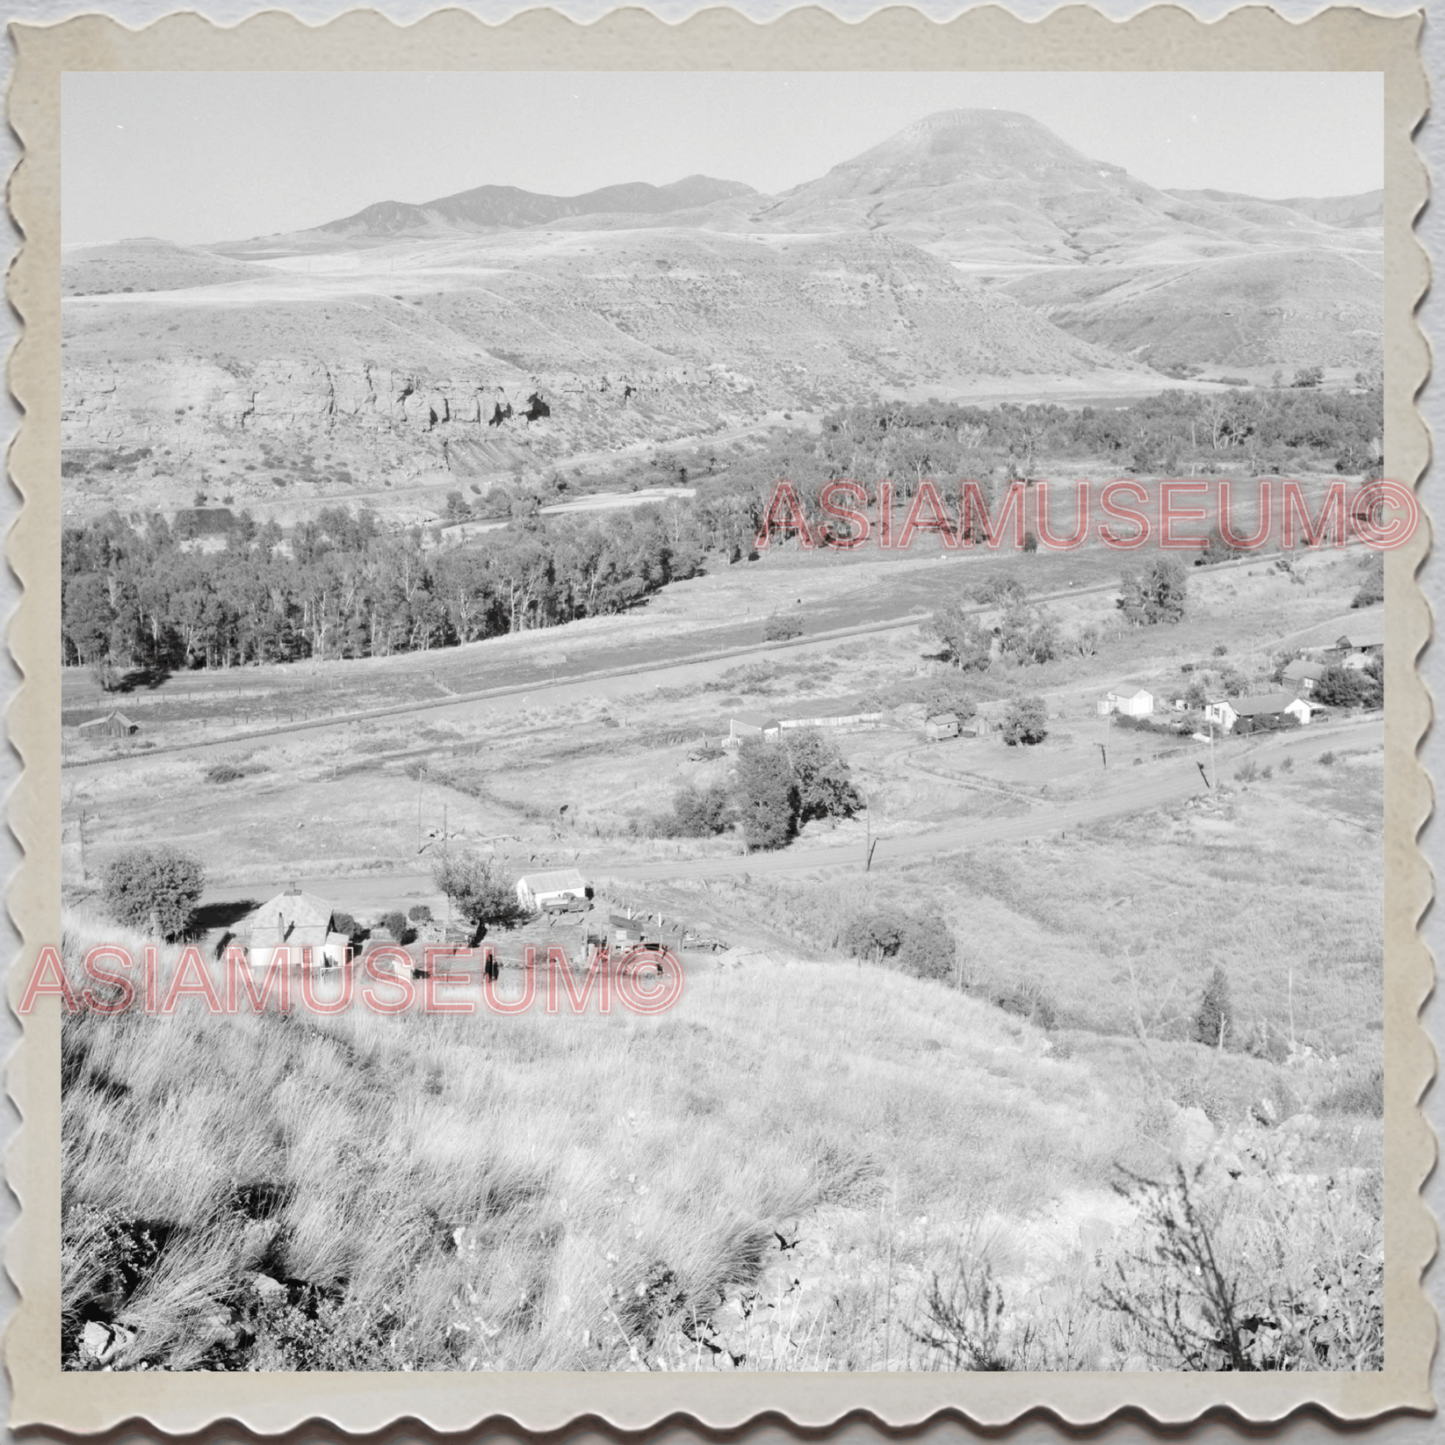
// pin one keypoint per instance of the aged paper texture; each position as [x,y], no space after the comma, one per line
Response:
[949,1068]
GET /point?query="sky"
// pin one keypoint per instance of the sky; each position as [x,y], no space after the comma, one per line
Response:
[202,157]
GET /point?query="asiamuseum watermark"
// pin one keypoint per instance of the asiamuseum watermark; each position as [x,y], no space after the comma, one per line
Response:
[1381,514]
[643,981]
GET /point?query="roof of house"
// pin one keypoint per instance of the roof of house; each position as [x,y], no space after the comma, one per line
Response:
[943,717]
[114,715]
[1265,702]
[292,917]
[830,707]
[755,719]
[1129,690]
[1300,668]
[557,881]
[1368,630]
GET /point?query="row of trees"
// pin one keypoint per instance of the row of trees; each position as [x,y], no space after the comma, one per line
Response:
[132,596]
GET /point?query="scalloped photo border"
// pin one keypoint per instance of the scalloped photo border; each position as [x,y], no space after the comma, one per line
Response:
[1073,39]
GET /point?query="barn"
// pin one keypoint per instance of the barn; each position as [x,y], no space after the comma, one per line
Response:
[562,889]
[300,926]
[115,724]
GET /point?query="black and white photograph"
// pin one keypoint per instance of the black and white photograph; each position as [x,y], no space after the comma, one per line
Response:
[722,721]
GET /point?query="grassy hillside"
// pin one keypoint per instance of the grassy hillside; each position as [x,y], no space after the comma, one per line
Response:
[819,1167]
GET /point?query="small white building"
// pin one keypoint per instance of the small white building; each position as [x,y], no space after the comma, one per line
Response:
[745,725]
[561,889]
[1131,702]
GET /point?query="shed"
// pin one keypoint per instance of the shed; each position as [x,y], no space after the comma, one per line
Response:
[1132,702]
[1365,635]
[564,888]
[301,927]
[744,725]
[115,724]
[941,725]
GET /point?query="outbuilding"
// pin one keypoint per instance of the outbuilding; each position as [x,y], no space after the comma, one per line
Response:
[562,890]
[941,725]
[745,725]
[1131,702]
[115,724]
[1303,676]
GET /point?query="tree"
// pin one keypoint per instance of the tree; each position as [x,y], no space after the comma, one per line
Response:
[1342,687]
[482,893]
[1307,376]
[875,935]
[767,794]
[929,949]
[820,776]
[1155,595]
[947,692]
[1029,633]
[1026,721]
[154,888]
[1196,698]
[967,643]
[395,924]
[1214,1019]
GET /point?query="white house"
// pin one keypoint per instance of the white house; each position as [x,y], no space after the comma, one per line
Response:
[300,924]
[1266,708]
[1138,702]
[561,889]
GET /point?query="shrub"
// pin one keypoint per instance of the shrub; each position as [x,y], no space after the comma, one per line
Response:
[345,923]
[155,888]
[1344,687]
[1286,765]
[1372,589]
[698,813]
[1246,772]
[224,773]
[875,935]
[929,949]
[1214,1019]
[419,913]
[781,626]
[395,924]
[1327,758]
[1027,721]
[1360,1095]
[1028,1000]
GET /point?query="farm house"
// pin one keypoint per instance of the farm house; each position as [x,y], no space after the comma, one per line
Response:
[563,889]
[300,925]
[1265,710]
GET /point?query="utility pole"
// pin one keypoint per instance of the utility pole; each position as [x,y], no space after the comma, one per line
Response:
[420,775]
[84,875]
[1213,769]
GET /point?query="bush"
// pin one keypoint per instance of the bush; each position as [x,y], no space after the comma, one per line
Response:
[1214,1020]
[1027,721]
[395,924]
[698,813]
[1246,772]
[1327,758]
[875,935]
[929,949]
[1286,765]
[419,913]
[1028,1000]
[1363,1095]
[153,888]
[345,923]
[781,626]
[224,773]
[1344,687]
[1372,589]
